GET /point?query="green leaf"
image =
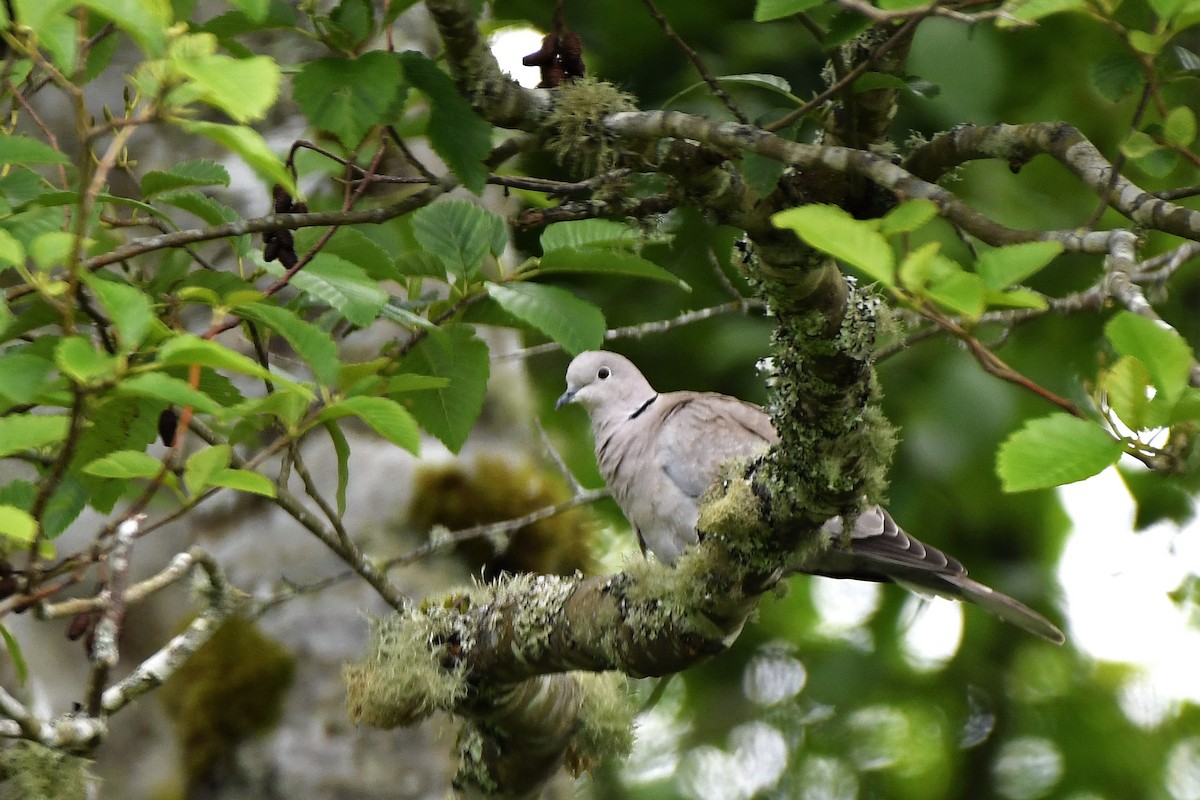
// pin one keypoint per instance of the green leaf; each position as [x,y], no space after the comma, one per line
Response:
[81,362]
[348,97]
[1157,497]
[767,10]
[206,208]
[314,345]
[1016,298]
[61,39]
[248,144]
[386,417]
[1158,163]
[1001,267]
[353,246]
[254,9]
[1054,450]
[420,264]
[831,230]
[202,465]
[907,217]
[115,423]
[64,507]
[959,291]
[456,132]
[342,285]
[1127,386]
[11,250]
[1138,144]
[579,234]
[169,389]
[605,262]
[575,324]
[455,354]
[20,666]
[409,382]
[189,349]
[124,465]
[456,231]
[244,88]
[1146,42]
[1116,75]
[50,249]
[1161,349]
[185,174]
[146,21]
[341,449]
[127,306]
[24,151]
[243,480]
[24,376]
[17,526]
[1031,10]
[1179,128]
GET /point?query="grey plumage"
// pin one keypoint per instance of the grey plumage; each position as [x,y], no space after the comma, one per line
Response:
[660,452]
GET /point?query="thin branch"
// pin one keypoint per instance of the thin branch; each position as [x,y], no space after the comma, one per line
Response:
[645,328]
[697,62]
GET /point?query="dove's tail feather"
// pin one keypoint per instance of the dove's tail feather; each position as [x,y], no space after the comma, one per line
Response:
[880,550]
[1010,610]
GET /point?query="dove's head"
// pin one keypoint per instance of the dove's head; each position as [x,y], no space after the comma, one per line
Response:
[605,383]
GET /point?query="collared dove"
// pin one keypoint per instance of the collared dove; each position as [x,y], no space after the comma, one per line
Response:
[660,452]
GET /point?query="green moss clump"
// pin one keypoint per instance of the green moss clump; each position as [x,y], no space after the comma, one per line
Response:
[604,728]
[401,681]
[231,689]
[31,771]
[493,490]
[579,138]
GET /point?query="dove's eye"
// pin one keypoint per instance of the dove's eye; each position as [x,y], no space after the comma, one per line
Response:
[603,373]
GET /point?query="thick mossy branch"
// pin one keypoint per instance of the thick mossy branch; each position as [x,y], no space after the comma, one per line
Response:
[494,95]
[32,771]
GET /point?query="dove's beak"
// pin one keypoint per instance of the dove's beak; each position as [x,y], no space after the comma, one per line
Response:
[564,398]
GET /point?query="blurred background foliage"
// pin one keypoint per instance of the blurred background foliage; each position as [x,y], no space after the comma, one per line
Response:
[998,714]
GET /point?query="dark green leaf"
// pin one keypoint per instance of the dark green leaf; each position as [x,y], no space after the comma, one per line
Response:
[456,231]
[579,234]
[197,172]
[1054,450]
[174,391]
[353,246]
[767,10]
[419,264]
[1115,75]
[455,354]
[348,97]
[341,449]
[575,324]
[314,345]
[457,133]
[342,285]
[606,262]
[23,151]
[1158,497]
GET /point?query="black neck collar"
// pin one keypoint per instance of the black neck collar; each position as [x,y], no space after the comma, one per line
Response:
[642,407]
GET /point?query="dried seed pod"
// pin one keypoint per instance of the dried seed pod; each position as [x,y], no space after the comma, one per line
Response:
[168,422]
[570,52]
[552,75]
[80,624]
[546,55]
